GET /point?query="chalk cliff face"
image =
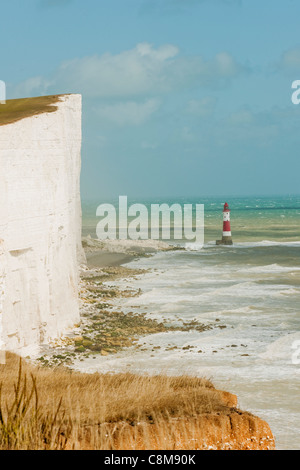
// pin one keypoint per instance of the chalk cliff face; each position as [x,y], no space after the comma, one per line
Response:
[40,226]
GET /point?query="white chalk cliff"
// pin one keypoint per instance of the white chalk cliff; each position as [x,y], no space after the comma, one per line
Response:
[40,226]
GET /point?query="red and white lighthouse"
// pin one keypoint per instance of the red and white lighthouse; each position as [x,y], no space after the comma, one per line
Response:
[226,237]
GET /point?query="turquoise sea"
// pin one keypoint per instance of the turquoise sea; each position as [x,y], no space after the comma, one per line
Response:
[251,289]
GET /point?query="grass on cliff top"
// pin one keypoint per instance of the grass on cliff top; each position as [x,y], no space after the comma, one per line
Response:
[15,110]
[42,408]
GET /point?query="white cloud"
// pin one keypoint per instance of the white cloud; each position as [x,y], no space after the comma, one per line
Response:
[290,60]
[187,135]
[259,128]
[30,87]
[130,73]
[225,65]
[146,145]
[128,112]
[203,107]
[143,70]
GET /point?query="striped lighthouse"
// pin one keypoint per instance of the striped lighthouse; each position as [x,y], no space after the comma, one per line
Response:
[226,237]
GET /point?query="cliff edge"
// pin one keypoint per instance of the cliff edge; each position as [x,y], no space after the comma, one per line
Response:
[40,219]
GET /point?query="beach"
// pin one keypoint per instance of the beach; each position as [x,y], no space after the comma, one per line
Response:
[104,259]
[229,314]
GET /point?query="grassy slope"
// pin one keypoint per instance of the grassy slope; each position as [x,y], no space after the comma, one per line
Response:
[93,403]
[14,110]
[42,408]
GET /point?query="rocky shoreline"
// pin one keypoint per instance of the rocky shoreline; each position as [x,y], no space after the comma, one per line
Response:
[106,330]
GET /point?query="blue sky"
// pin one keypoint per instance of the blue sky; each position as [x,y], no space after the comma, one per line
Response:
[180,97]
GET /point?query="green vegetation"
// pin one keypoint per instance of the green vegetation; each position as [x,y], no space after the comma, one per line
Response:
[14,110]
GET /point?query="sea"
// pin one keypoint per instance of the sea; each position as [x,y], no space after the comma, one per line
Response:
[249,295]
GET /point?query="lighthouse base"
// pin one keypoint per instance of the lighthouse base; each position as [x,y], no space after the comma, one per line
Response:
[225,241]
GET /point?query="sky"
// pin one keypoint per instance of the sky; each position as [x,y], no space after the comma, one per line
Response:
[181,98]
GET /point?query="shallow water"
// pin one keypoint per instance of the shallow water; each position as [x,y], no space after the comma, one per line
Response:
[249,293]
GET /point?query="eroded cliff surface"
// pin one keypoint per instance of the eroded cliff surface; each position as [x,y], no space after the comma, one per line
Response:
[40,225]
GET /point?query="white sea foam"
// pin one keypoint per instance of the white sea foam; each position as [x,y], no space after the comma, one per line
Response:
[266,243]
[282,348]
[254,300]
[193,246]
[269,268]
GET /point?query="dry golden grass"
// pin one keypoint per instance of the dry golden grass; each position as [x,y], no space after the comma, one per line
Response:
[14,110]
[56,409]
